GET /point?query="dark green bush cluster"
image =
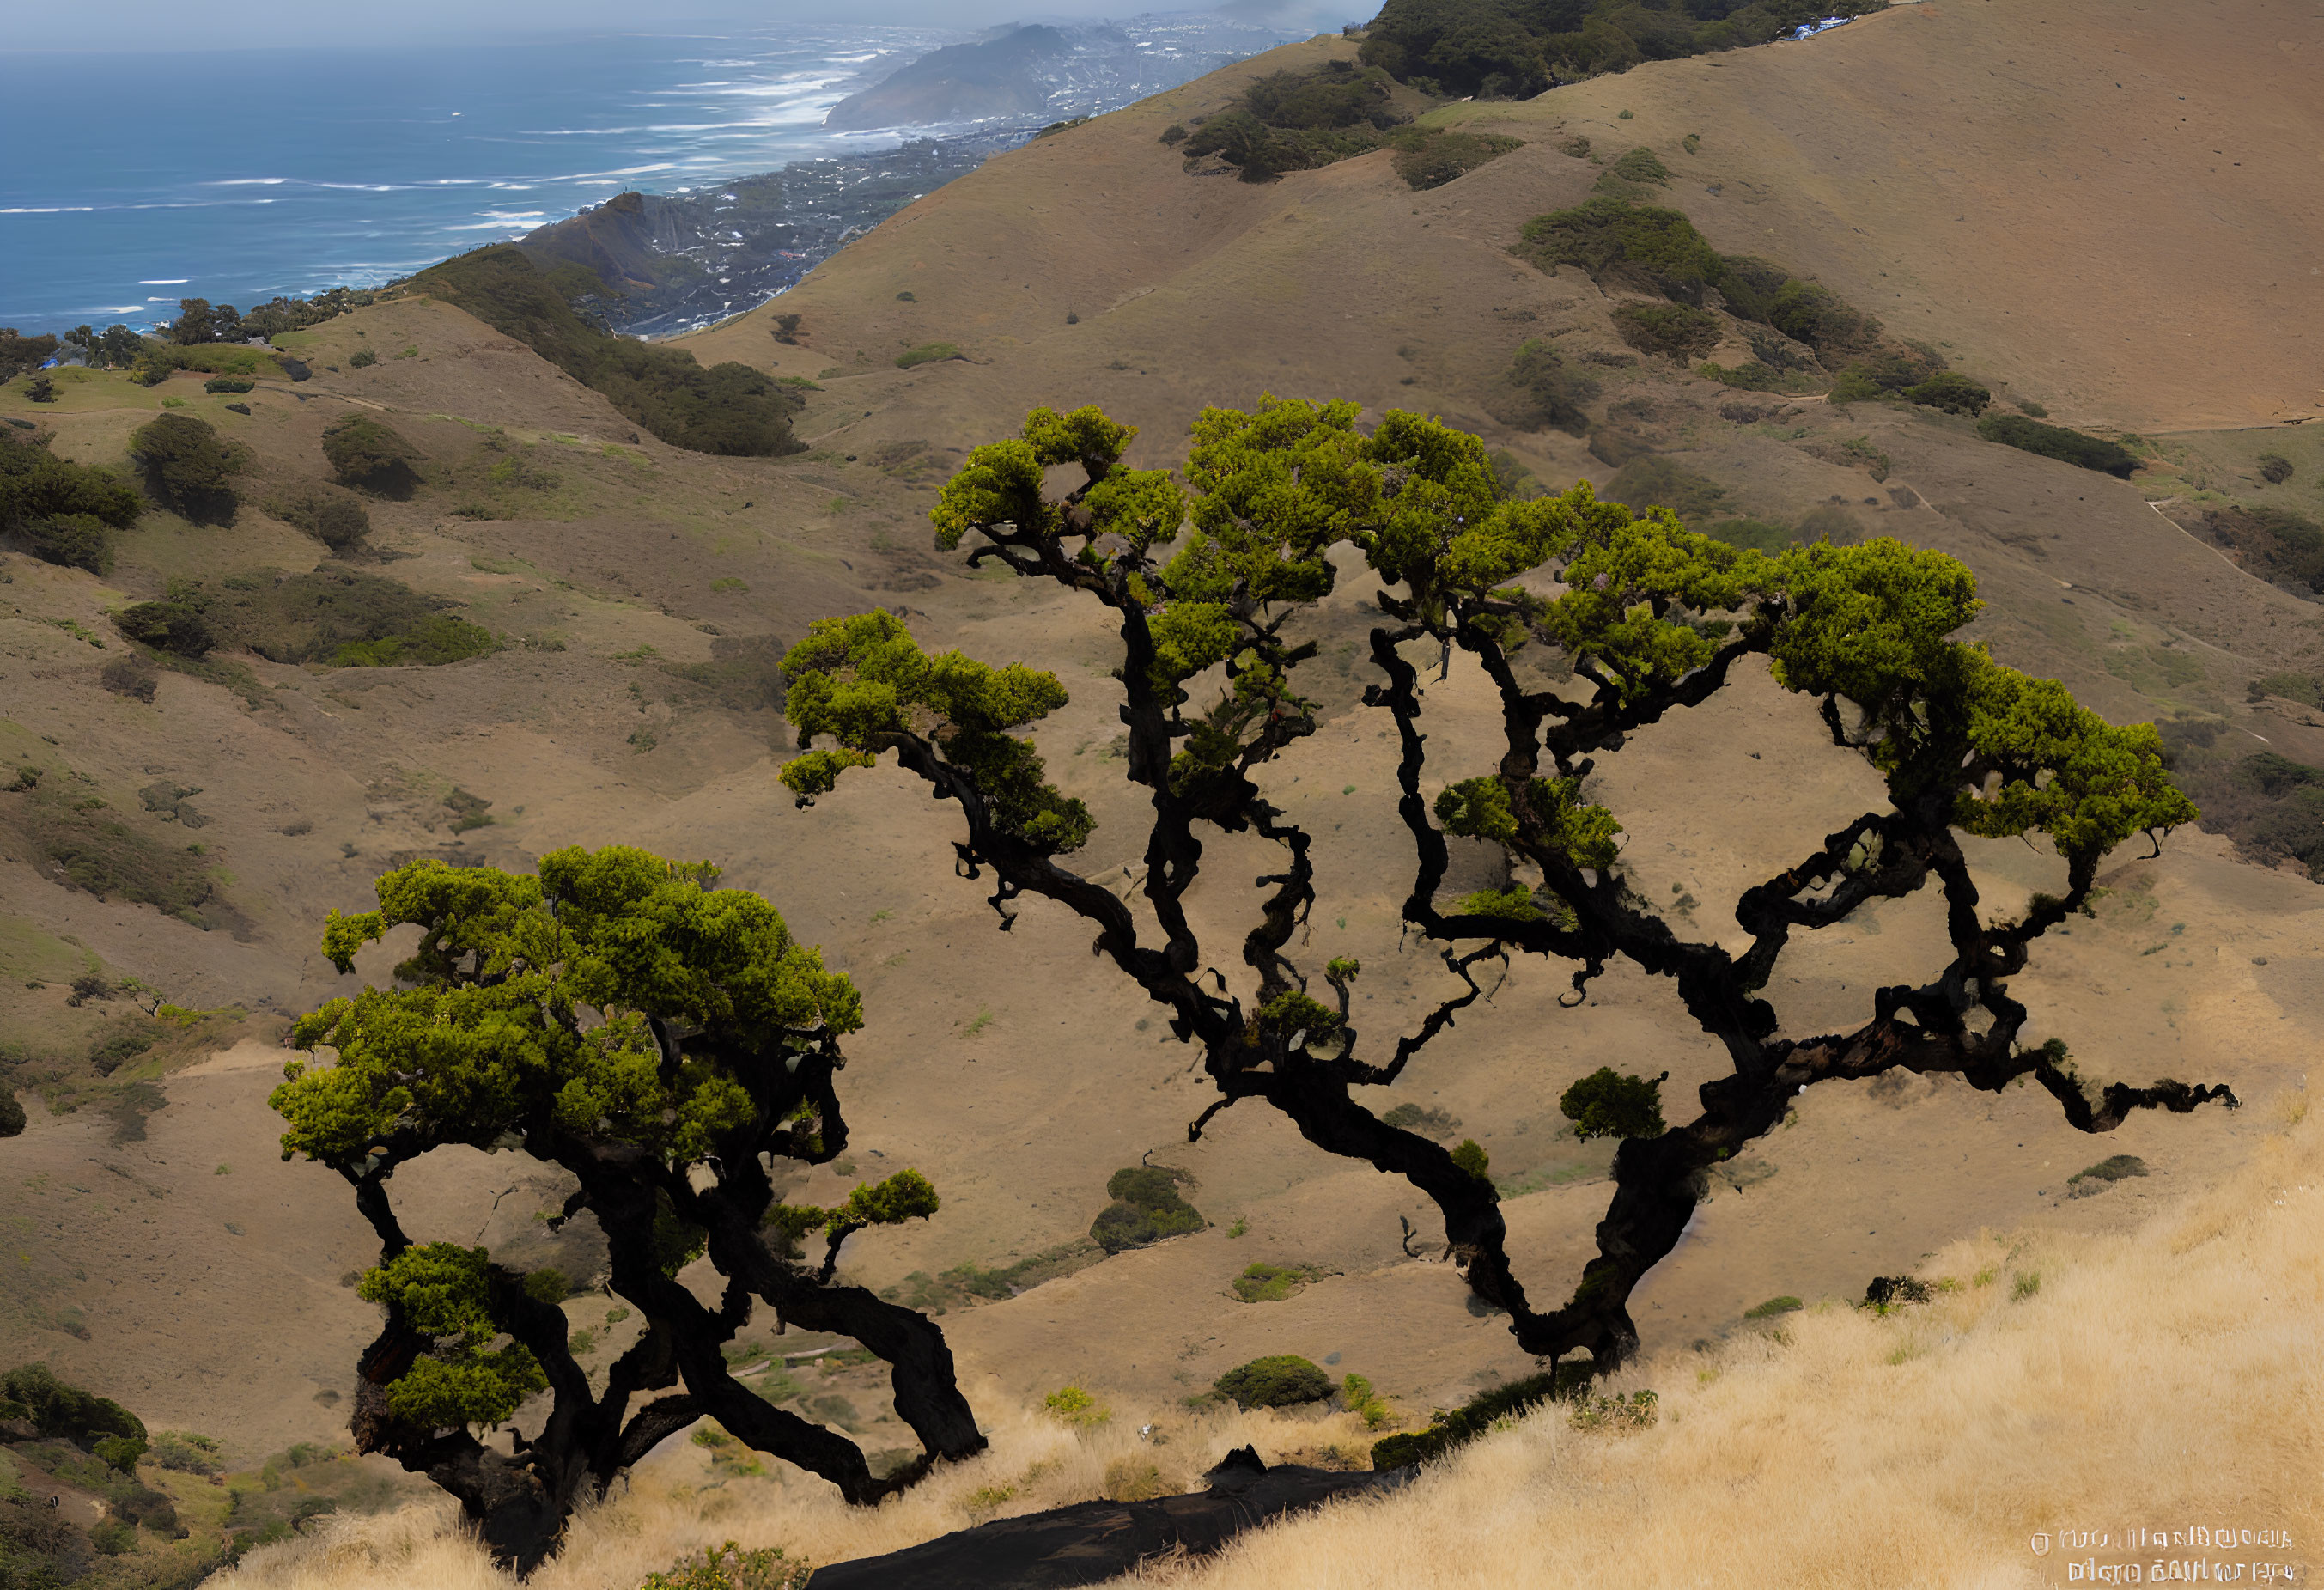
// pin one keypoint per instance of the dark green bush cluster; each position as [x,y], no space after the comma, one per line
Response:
[729,409]
[1430,157]
[1294,121]
[1885,1292]
[1612,1104]
[332,616]
[1553,391]
[1145,1208]
[927,352]
[34,1394]
[1951,392]
[2098,1177]
[1515,48]
[189,467]
[235,384]
[362,358]
[19,353]
[364,452]
[1674,330]
[335,518]
[1284,1379]
[2274,468]
[1475,1417]
[2055,441]
[61,512]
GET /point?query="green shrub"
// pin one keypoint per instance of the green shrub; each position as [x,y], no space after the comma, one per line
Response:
[130,675]
[1751,375]
[1473,1418]
[1430,157]
[1636,1411]
[219,384]
[53,1408]
[1272,1283]
[1675,330]
[733,1566]
[1620,243]
[184,1452]
[727,408]
[1553,390]
[335,518]
[1952,392]
[175,627]
[1282,1381]
[1612,1104]
[189,467]
[71,541]
[37,486]
[112,1537]
[1642,165]
[91,850]
[1145,1208]
[2114,1167]
[1075,1406]
[1773,1307]
[2052,441]
[112,1048]
[1174,134]
[364,452]
[363,359]
[2274,468]
[927,352]
[1472,1156]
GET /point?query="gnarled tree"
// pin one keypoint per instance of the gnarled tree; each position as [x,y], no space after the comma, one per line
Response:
[669,1044]
[1651,620]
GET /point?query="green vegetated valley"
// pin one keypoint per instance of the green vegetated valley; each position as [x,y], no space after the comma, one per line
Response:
[1342,825]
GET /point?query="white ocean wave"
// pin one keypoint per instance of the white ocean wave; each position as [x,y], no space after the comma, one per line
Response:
[246,182]
[167,281]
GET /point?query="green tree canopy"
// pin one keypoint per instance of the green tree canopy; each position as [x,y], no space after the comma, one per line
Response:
[189,467]
[660,1039]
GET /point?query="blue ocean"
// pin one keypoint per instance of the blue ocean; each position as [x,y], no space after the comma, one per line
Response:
[234,176]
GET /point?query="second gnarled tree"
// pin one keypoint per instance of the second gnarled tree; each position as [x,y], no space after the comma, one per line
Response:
[1651,620]
[670,1046]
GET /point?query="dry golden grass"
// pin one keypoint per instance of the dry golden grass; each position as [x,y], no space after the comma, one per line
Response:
[674,1503]
[2163,1377]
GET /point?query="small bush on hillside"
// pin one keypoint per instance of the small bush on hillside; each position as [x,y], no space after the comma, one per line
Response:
[1425,1120]
[364,358]
[189,467]
[61,512]
[1774,1307]
[2054,441]
[1283,1381]
[1642,165]
[175,627]
[1612,1104]
[1174,134]
[786,328]
[184,1452]
[364,453]
[130,675]
[1145,1208]
[1470,1156]
[227,383]
[1554,391]
[733,1566]
[1473,1418]
[335,518]
[338,616]
[34,1394]
[2098,1177]
[2274,468]
[927,352]
[1623,244]
[1075,1406]
[1675,330]
[1885,1293]
[1636,1411]
[1272,1283]
[1951,392]
[1430,157]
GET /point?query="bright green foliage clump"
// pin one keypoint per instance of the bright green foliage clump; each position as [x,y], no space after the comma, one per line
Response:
[1472,1156]
[1473,1418]
[1262,1283]
[486,1038]
[33,1393]
[1075,1406]
[442,1290]
[1283,1381]
[865,683]
[904,1195]
[1609,1103]
[733,1566]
